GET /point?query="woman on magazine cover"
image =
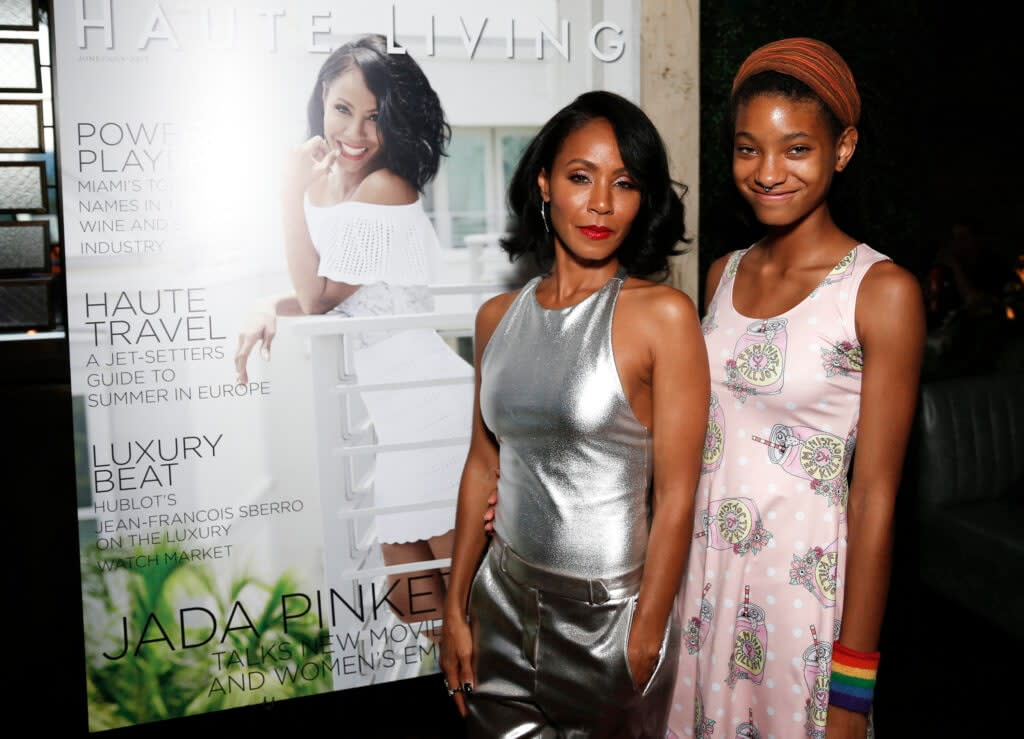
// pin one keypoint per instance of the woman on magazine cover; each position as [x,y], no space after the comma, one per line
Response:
[358,243]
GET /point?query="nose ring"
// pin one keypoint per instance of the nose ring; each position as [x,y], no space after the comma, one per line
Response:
[767,188]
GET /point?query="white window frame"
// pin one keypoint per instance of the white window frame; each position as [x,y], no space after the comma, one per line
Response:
[494,186]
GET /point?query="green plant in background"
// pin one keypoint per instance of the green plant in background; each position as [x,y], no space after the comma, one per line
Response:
[151,675]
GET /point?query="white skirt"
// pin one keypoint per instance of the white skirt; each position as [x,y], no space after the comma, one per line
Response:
[437,418]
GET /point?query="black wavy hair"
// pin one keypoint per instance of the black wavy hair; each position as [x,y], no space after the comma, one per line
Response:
[410,120]
[659,224]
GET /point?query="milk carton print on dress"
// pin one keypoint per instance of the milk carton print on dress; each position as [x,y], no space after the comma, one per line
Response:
[750,644]
[781,434]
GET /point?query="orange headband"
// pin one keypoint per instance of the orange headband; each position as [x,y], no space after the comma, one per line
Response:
[814,63]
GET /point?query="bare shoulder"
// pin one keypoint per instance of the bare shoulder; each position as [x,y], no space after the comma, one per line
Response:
[489,315]
[890,304]
[714,276]
[658,301]
[887,284]
[494,308]
[384,187]
[717,268]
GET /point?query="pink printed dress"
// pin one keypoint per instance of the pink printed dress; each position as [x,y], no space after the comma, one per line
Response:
[762,598]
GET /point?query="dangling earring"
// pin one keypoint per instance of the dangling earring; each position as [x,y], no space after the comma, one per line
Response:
[544,216]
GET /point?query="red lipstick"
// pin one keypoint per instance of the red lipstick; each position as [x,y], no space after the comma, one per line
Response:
[595,232]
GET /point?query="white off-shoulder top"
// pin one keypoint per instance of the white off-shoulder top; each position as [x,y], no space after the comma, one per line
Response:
[390,251]
[363,243]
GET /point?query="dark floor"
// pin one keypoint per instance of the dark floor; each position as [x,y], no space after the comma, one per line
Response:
[410,709]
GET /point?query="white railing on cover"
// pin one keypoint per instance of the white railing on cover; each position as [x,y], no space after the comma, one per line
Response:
[315,386]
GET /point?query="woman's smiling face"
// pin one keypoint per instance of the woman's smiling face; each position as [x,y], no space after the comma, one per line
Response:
[784,157]
[350,121]
[593,197]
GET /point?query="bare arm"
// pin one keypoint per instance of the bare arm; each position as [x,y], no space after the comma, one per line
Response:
[680,393]
[259,328]
[890,325]
[891,329]
[711,282]
[478,480]
[285,305]
[307,165]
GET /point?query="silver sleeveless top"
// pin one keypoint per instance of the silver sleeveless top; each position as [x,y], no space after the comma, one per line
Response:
[575,461]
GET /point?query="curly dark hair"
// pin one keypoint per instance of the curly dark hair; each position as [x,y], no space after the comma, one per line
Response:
[660,223]
[413,130]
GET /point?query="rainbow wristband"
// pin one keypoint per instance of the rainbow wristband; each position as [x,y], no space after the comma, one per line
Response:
[853,678]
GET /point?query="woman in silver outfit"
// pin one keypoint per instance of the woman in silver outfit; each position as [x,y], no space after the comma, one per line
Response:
[592,395]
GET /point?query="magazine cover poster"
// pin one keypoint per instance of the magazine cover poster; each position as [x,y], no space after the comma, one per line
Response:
[278,224]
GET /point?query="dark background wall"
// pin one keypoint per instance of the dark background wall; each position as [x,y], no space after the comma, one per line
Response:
[939,140]
[937,130]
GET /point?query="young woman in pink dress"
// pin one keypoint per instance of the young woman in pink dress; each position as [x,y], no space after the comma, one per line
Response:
[814,341]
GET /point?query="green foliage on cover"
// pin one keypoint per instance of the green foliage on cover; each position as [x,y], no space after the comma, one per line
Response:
[162,678]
